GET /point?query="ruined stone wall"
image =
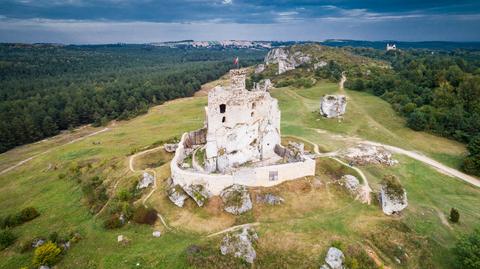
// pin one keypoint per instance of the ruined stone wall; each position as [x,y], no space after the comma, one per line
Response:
[242,126]
[264,176]
[198,137]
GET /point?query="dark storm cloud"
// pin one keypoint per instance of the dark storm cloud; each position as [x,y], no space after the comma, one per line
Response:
[408,20]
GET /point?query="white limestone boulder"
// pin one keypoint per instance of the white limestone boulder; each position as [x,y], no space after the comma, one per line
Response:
[334,259]
[146,181]
[198,192]
[392,203]
[240,245]
[177,195]
[286,60]
[333,106]
[236,199]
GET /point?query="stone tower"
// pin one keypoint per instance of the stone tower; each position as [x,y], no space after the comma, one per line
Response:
[242,126]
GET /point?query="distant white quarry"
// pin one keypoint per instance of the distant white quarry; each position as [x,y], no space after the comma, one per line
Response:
[239,144]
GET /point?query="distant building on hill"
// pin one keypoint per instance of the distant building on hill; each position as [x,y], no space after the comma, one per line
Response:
[391,47]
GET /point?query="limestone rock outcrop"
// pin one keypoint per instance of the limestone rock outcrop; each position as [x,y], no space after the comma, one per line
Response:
[364,154]
[351,183]
[198,192]
[240,245]
[334,259]
[170,147]
[333,106]
[392,203]
[285,59]
[319,65]
[259,68]
[177,195]
[146,181]
[263,85]
[236,199]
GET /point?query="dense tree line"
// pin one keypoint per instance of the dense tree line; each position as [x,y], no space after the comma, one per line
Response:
[47,88]
[437,92]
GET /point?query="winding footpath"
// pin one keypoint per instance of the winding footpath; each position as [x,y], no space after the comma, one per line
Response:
[131,162]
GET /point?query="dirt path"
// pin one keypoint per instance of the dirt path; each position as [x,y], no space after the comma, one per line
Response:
[131,162]
[47,151]
[438,166]
[234,228]
[342,81]
[366,190]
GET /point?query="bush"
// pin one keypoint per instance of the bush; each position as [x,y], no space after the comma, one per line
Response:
[467,251]
[28,214]
[145,215]
[392,186]
[23,216]
[6,239]
[46,254]
[113,222]
[454,215]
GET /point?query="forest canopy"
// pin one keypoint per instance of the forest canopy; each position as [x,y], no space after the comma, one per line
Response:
[48,88]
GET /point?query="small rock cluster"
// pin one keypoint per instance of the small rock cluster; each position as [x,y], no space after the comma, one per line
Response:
[170,147]
[333,106]
[351,183]
[334,259]
[364,154]
[269,199]
[236,199]
[146,181]
[240,245]
[286,60]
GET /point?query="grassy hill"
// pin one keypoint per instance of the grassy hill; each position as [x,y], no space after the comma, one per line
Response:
[295,234]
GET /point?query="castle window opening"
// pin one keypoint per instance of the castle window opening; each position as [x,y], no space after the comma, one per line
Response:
[253,105]
[251,114]
[223,107]
[223,119]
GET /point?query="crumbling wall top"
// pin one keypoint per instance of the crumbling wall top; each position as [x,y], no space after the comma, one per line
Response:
[237,79]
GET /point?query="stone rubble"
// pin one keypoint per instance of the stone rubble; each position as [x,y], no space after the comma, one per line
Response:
[333,106]
[146,181]
[364,154]
[240,245]
[269,199]
[236,199]
[351,183]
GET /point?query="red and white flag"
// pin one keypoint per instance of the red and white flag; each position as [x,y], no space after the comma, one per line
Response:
[235,61]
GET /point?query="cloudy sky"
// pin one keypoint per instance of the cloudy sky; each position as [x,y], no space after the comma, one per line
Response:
[140,21]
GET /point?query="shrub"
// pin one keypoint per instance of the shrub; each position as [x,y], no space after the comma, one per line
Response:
[6,239]
[392,186]
[19,218]
[28,214]
[467,251]
[145,215]
[46,254]
[454,215]
[113,222]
